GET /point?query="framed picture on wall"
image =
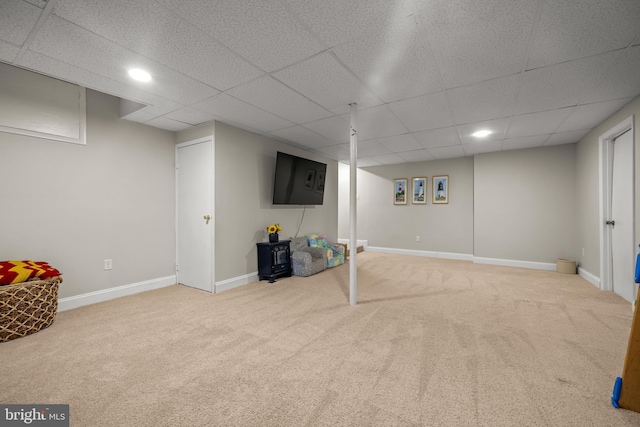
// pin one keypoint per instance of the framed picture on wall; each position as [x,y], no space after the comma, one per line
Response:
[419,191]
[440,192]
[400,191]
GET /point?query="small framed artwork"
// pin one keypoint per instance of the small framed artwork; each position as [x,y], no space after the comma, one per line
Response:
[310,179]
[419,191]
[400,191]
[320,182]
[440,189]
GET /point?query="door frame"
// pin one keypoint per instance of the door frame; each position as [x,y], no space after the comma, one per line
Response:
[605,145]
[211,139]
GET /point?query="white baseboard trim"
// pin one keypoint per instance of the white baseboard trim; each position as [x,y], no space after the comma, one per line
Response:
[76,301]
[429,254]
[594,280]
[234,282]
[548,266]
[363,243]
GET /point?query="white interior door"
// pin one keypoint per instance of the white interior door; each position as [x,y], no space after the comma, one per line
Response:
[622,232]
[194,201]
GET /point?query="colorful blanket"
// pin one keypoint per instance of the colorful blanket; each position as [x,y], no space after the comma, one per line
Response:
[20,271]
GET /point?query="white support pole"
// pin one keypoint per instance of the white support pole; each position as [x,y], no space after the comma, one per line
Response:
[353,212]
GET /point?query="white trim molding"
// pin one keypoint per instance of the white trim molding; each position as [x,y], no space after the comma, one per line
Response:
[548,266]
[234,282]
[76,301]
[428,254]
[591,278]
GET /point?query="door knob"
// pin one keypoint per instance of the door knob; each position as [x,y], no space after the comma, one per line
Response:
[612,223]
[207,218]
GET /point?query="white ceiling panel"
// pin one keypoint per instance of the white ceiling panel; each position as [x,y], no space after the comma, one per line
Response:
[303,137]
[39,3]
[271,95]
[168,124]
[447,152]
[486,100]
[325,81]
[621,80]
[153,31]
[573,29]
[334,128]
[524,142]
[590,115]
[337,152]
[378,122]
[544,122]
[371,147]
[190,116]
[475,41]
[566,137]
[229,108]
[140,116]
[561,85]
[497,127]
[17,19]
[68,43]
[434,138]
[482,147]
[367,162]
[8,52]
[424,112]
[396,63]
[263,32]
[387,159]
[362,105]
[399,143]
[416,156]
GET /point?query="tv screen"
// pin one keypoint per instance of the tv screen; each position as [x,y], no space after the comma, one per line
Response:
[298,181]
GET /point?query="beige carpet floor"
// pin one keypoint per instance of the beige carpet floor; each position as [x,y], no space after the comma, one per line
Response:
[431,343]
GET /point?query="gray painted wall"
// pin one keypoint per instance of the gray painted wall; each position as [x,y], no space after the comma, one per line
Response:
[588,204]
[75,206]
[525,204]
[442,228]
[244,170]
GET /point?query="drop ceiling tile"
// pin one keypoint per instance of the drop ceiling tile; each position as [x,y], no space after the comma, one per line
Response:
[302,136]
[566,137]
[396,64]
[561,85]
[334,128]
[399,143]
[486,100]
[443,137]
[140,116]
[370,148]
[337,152]
[168,124]
[367,162]
[622,79]
[475,41]
[544,122]
[68,43]
[576,28]
[362,105]
[263,32]
[153,31]
[378,122]
[424,112]
[497,126]
[230,108]
[447,152]
[156,105]
[39,3]
[416,156]
[17,19]
[387,159]
[524,142]
[482,147]
[325,81]
[588,116]
[8,52]
[190,116]
[271,95]
[335,21]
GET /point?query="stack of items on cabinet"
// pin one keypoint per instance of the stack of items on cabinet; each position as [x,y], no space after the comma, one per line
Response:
[313,253]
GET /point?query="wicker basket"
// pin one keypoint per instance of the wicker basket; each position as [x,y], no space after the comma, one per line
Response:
[27,307]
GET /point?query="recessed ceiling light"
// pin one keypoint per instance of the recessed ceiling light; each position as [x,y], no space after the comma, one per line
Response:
[140,75]
[481,133]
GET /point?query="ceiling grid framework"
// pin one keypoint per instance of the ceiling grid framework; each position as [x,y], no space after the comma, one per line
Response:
[425,74]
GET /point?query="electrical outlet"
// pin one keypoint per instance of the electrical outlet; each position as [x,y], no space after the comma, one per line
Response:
[108,264]
[417,238]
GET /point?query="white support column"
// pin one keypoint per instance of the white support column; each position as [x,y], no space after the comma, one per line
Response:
[353,212]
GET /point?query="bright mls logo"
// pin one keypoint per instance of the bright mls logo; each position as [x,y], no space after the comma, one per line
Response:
[34,415]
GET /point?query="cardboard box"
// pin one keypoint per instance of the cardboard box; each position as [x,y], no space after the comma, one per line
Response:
[566,266]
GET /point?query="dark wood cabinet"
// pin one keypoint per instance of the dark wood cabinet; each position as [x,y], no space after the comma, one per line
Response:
[274,260]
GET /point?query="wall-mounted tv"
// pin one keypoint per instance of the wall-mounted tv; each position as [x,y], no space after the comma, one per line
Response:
[298,181]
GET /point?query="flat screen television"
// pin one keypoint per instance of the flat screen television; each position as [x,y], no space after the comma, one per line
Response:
[298,181]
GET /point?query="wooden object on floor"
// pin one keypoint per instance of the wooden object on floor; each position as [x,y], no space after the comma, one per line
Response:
[630,393]
[359,249]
